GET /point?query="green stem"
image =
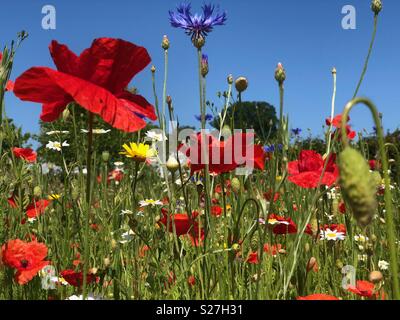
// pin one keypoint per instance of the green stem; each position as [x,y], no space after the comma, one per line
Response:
[368,56]
[388,193]
[88,203]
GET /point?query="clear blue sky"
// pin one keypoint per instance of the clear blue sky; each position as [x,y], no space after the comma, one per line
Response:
[306,36]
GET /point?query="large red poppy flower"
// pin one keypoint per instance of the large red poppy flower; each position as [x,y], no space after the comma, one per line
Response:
[307,170]
[26,257]
[281,225]
[37,208]
[96,80]
[184,225]
[318,296]
[76,278]
[25,153]
[337,123]
[363,288]
[224,156]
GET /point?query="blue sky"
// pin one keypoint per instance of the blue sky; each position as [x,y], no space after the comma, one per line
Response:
[306,36]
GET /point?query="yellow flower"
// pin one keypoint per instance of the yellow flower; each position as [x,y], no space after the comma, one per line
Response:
[54,196]
[138,152]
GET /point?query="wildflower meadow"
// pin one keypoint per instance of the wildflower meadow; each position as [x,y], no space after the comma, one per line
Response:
[118,199]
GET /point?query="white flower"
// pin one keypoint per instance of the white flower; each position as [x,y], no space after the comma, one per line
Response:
[154,136]
[118,164]
[126,237]
[362,257]
[96,131]
[360,238]
[124,212]
[55,145]
[333,235]
[89,297]
[50,133]
[150,202]
[383,265]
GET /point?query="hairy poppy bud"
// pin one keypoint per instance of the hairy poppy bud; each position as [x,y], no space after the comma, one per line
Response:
[235,185]
[280,73]
[37,191]
[241,84]
[165,43]
[376,6]
[375,276]
[107,262]
[65,114]
[105,156]
[357,185]
[307,247]
[376,178]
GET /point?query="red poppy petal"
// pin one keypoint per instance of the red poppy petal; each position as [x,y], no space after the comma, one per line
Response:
[9,85]
[307,179]
[138,104]
[52,111]
[64,59]
[112,63]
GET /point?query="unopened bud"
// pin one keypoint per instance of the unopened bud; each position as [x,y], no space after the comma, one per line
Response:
[65,114]
[37,191]
[376,6]
[230,79]
[107,262]
[235,185]
[105,156]
[311,264]
[375,276]
[165,43]
[204,65]
[280,73]
[153,69]
[172,164]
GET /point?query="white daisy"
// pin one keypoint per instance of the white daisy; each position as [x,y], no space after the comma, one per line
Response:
[50,133]
[383,265]
[124,212]
[333,235]
[118,164]
[126,237]
[360,238]
[80,297]
[156,136]
[55,145]
[96,131]
[150,202]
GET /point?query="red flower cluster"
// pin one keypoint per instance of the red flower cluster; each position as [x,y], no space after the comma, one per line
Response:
[282,225]
[34,209]
[26,257]
[96,80]
[225,156]
[307,170]
[184,225]
[337,123]
[25,153]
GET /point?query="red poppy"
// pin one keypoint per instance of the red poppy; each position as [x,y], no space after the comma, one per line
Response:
[252,258]
[26,257]
[269,195]
[37,208]
[307,170]
[25,153]
[374,164]
[363,288]
[143,250]
[96,80]
[342,207]
[192,281]
[281,225]
[225,156]
[76,278]
[337,123]
[216,211]
[113,175]
[184,225]
[318,296]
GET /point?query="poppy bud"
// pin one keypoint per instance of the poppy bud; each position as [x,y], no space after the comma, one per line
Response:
[165,43]
[65,114]
[307,247]
[172,164]
[357,185]
[376,6]
[37,191]
[241,84]
[105,156]
[280,73]
[335,207]
[311,264]
[375,276]
[230,79]
[235,185]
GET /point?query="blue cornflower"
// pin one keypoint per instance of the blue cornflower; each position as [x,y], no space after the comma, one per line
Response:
[197,26]
[296,131]
[269,149]
[207,117]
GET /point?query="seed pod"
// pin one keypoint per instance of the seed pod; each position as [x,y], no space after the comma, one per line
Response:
[37,191]
[241,84]
[105,156]
[357,185]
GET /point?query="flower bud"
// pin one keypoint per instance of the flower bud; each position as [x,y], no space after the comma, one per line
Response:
[235,185]
[199,42]
[280,73]
[307,247]
[241,84]
[105,156]
[65,114]
[376,6]
[165,43]
[357,185]
[153,69]
[204,65]
[172,164]
[236,247]
[375,276]
[107,262]
[37,191]
[311,264]
[230,79]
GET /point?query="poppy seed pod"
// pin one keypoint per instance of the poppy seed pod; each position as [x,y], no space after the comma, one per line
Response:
[165,43]
[280,73]
[357,185]
[241,84]
[376,6]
